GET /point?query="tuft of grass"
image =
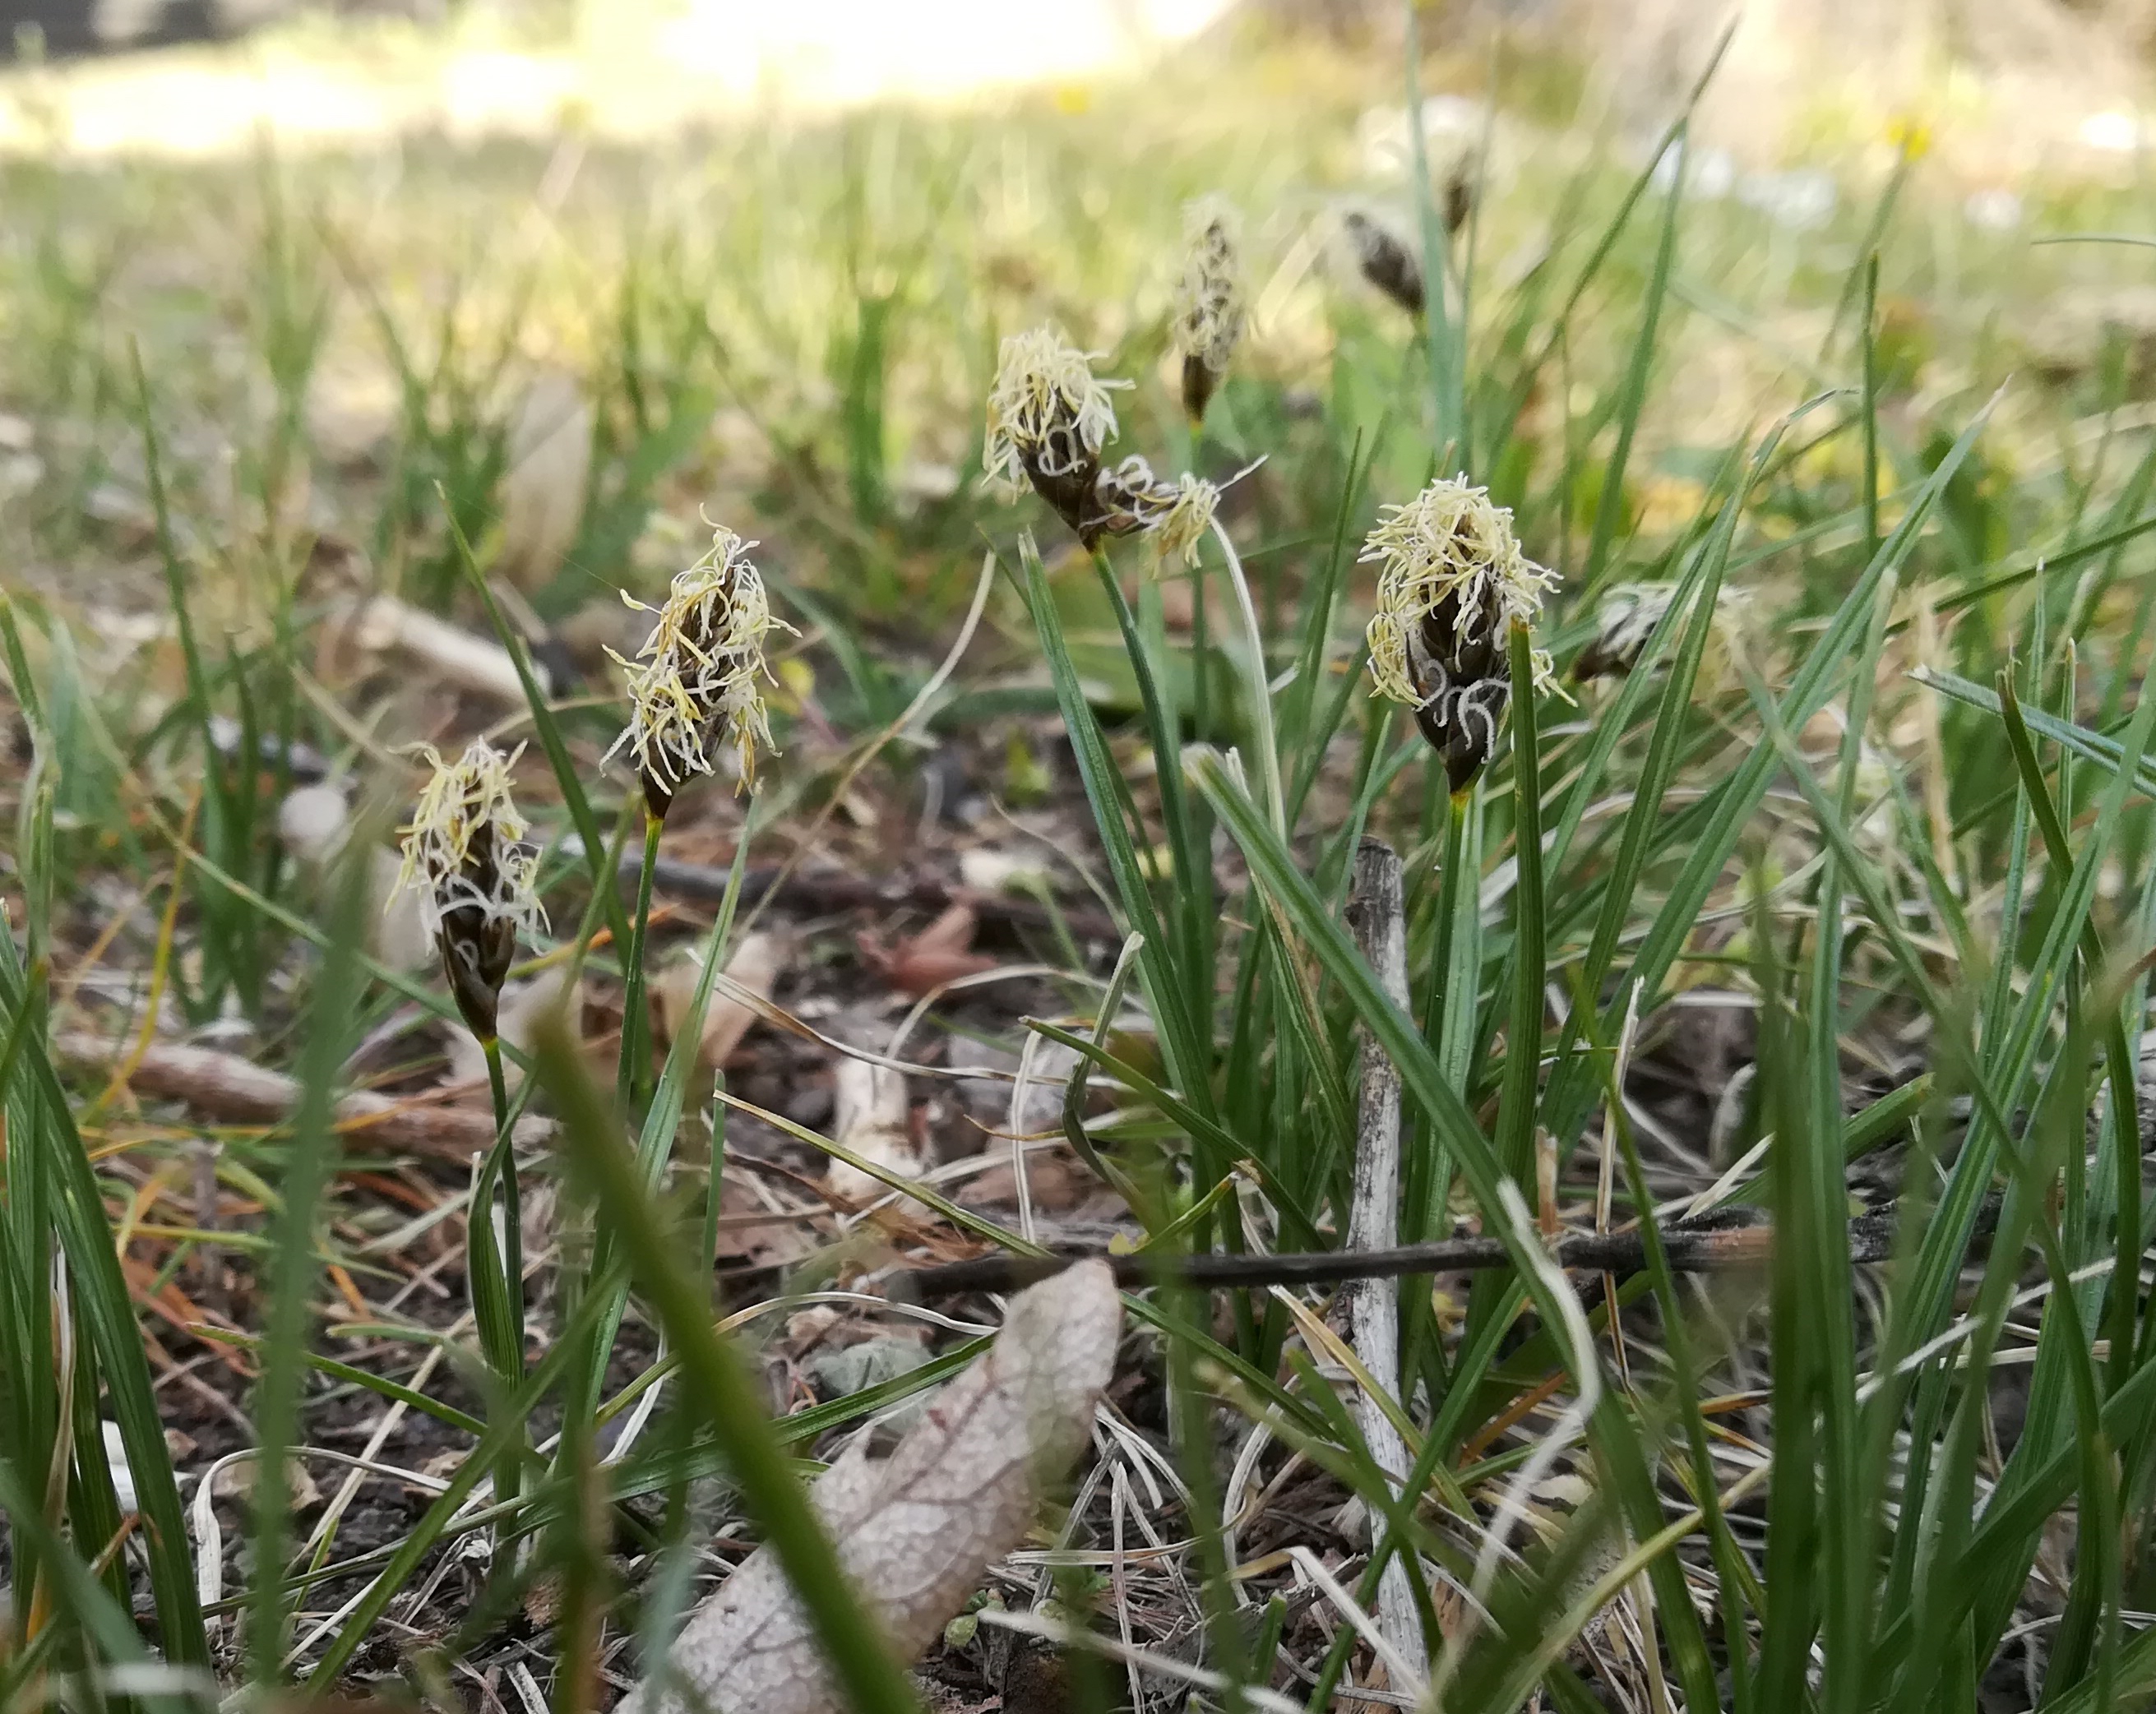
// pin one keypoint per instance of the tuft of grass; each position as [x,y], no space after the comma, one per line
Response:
[1878,783]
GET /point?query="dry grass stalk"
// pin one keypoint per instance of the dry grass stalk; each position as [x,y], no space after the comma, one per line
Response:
[1374,1305]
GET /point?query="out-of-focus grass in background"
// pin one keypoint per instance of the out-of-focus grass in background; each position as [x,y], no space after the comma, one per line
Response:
[285,322]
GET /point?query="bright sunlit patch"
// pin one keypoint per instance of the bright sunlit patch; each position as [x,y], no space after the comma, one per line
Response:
[652,70]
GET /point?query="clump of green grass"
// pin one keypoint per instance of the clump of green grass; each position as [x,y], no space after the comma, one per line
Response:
[1892,802]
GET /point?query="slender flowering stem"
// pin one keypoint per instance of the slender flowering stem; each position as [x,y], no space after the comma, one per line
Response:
[495,1265]
[635,1054]
[1261,696]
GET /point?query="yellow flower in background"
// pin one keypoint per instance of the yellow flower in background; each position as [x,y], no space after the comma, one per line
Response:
[1665,505]
[1911,136]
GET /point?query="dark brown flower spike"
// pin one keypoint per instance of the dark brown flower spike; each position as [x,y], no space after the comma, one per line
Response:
[1451,579]
[1209,304]
[1385,262]
[466,858]
[1049,417]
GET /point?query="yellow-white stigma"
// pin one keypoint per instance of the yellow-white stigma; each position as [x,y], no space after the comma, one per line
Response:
[1049,415]
[465,853]
[701,672]
[1449,545]
[1451,583]
[1131,501]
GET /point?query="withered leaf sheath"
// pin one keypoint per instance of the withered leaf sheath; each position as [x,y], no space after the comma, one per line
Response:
[1385,262]
[465,856]
[1451,581]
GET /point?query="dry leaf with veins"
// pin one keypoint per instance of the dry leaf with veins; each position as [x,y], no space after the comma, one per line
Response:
[915,1531]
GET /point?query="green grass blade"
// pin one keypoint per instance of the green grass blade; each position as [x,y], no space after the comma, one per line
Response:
[870,1680]
[293,1268]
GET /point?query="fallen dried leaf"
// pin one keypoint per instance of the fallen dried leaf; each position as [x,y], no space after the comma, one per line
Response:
[313,821]
[523,1005]
[916,1532]
[754,966]
[385,625]
[542,495]
[940,953]
[235,1480]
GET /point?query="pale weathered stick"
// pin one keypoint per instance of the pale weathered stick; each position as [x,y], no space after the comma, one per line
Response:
[915,1531]
[1376,915]
[225,1086]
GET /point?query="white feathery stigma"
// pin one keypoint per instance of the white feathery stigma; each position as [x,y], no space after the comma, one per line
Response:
[1449,542]
[1049,415]
[465,849]
[700,672]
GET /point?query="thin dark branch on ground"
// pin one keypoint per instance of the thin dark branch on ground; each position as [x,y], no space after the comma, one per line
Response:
[1692,1250]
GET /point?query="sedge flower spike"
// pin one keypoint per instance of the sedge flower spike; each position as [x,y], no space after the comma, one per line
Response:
[1049,417]
[1130,500]
[1384,261]
[1630,614]
[1209,310]
[700,674]
[1451,579]
[466,858]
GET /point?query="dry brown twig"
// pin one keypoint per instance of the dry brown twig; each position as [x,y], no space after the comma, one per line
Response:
[916,1531]
[1694,1249]
[235,1090]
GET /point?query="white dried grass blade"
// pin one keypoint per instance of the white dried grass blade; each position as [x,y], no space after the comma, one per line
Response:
[385,625]
[869,1119]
